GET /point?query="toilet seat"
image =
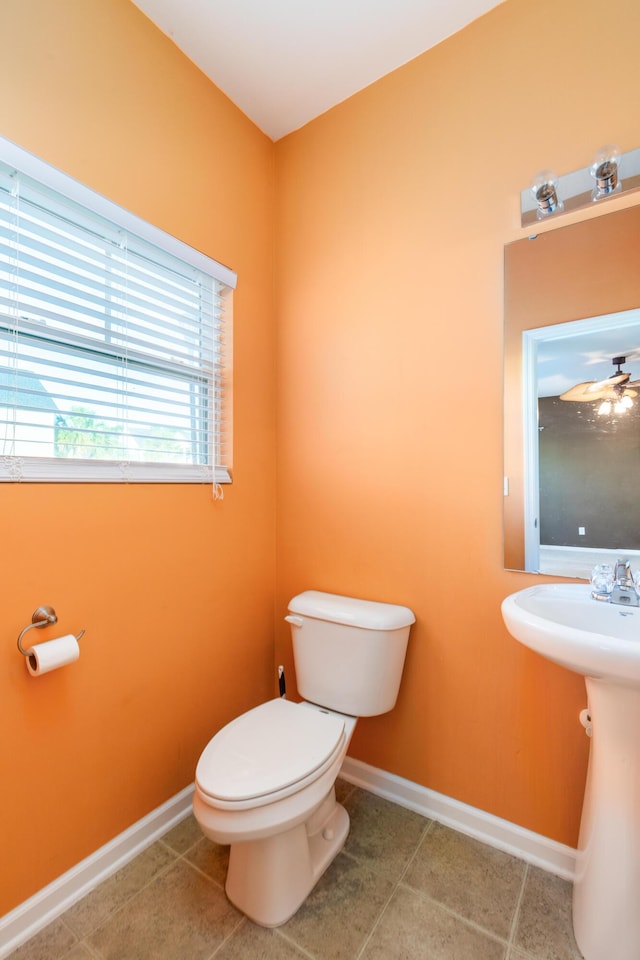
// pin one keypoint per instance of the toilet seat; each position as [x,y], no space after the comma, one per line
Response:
[268,753]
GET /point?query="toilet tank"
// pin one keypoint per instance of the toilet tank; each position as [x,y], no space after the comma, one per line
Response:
[348,653]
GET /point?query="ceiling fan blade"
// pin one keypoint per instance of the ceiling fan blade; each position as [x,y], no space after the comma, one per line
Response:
[595,389]
[584,392]
[630,393]
[610,382]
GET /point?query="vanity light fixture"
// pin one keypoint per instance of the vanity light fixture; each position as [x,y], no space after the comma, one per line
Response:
[544,190]
[550,195]
[604,170]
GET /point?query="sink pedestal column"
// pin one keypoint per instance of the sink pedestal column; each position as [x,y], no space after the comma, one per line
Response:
[606,899]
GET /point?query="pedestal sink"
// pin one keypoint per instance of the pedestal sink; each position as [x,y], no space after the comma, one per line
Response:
[601,641]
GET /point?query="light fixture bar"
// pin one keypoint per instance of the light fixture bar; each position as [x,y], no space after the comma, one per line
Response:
[576,190]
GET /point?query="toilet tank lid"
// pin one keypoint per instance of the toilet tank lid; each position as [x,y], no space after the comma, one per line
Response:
[368,614]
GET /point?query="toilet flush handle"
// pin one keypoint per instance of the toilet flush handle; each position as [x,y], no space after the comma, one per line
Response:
[296,621]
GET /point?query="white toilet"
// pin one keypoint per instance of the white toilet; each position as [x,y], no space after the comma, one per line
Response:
[265,782]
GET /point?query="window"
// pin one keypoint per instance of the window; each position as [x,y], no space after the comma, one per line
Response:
[112,339]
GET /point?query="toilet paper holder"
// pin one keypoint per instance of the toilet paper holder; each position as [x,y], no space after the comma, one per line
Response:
[42,617]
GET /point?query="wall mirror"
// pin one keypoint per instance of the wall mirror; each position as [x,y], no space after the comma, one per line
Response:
[572,466]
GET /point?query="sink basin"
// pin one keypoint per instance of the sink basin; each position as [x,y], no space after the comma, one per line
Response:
[563,623]
[601,641]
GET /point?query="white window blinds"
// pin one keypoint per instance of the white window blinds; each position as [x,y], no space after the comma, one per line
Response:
[113,336]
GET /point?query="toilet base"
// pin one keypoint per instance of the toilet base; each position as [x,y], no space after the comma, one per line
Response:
[269,879]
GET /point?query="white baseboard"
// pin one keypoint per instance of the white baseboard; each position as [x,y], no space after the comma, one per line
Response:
[532,847]
[35,913]
[52,901]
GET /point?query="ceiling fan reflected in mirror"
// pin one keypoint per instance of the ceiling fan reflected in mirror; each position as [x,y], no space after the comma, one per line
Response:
[615,393]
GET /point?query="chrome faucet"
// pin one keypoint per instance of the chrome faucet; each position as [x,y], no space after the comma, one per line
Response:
[624,591]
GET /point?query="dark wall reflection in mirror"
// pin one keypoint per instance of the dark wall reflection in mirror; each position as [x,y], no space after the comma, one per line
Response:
[572,463]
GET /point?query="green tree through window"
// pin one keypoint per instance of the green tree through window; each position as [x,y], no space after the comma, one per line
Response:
[80,434]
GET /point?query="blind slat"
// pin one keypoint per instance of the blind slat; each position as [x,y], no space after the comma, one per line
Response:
[112,347]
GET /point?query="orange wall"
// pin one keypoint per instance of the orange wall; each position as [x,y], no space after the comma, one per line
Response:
[175,591]
[389,288]
[393,211]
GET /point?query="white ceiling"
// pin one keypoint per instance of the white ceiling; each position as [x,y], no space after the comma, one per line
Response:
[284,62]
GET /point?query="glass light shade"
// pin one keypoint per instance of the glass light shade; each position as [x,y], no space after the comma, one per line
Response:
[604,408]
[619,407]
[605,169]
[627,403]
[544,190]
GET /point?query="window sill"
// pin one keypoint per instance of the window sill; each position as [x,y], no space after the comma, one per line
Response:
[44,470]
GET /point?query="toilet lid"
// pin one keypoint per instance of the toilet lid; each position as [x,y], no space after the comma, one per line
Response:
[267,749]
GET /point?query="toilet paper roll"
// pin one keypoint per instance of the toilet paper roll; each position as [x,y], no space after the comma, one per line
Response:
[44,657]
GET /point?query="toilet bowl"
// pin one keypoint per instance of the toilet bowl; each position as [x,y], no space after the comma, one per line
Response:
[265,783]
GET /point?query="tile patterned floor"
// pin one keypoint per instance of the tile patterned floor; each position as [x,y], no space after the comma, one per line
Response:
[403,888]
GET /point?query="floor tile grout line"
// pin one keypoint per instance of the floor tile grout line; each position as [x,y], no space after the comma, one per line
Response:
[83,937]
[93,952]
[177,857]
[183,856]
[133,896]
[241,923]
[202,873]
[508,941]
[516,913]
[522,954]
[288,939]
[356,859]
[426,830]
[172,850]
[160,873]
[453,913]
[377,922]
[423,834]
[67,927]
